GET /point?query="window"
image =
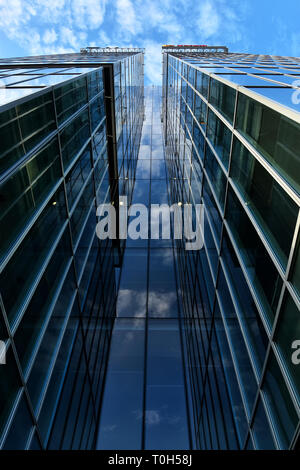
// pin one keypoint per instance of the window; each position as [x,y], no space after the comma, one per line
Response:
[296,269]
[223,98]
[21,271]
[74,136]
[260,268]
[97,111]
[37,119]
[287,332]
[219,136]
[216,176]
[274,210]
[23,193]
[280,404]
[202,81]
[69,98]
[77,176]
[273,134]
[261,429]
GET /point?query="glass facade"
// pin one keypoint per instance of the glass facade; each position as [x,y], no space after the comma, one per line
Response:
[145,397]
[58,287]
[140,343]
[230,131]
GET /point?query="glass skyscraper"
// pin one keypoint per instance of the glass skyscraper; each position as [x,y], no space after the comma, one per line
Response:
[141,343]
[70,128]
[232,135]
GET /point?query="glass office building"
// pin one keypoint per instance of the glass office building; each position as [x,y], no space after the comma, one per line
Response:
[232,136]
[140,343]
[70,128]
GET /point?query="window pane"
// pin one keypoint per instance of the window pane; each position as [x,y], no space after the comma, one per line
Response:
[280,403]
[261,429]
[274,210]
[273,134]
[69,98]
[223,98]
[19,274]
[74,136]
[23,193]
[121,420]
[260,268]
[288,331]
[220,137]
[166,419]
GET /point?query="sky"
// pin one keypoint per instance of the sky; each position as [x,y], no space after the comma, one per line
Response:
[31,27]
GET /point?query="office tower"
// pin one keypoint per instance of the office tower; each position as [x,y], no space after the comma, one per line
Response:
[70,129]
[232,134]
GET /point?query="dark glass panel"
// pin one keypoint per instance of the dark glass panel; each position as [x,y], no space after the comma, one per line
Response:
[274,210]
[261,270]
[247,309]
[288,331]
[70,98]
[216,176]
[202,82]
[74,136]
[21,271]
[121,417]
[77,176]
[37,312]
[166,420]
[295,277]
[97,111]
[20,429]
[274,135]
[261,429]
[279,401]
[10,385]
[95,82]
[81,210]
[220,137]
[23,193]
[223,98]
[37,119]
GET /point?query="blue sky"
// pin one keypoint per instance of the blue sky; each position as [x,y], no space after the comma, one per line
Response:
[29,27]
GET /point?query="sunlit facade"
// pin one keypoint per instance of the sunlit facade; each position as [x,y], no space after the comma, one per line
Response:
[232,133]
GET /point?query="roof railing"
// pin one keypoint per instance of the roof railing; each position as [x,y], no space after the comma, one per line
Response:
[110,49]
[194,48]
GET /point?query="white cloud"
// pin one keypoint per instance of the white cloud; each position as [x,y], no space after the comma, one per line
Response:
[126,17]
[209,20]
[88,14]
[152,417]
[41,26]
[133,299]
[68,36]
[161,303]
[50,36]
[153,62]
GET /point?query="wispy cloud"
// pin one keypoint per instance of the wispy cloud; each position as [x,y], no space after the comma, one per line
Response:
[208,20]
[127,17]
[43,26]
[49,36]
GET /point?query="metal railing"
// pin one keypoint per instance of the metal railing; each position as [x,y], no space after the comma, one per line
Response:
[110,49]
[202,48]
